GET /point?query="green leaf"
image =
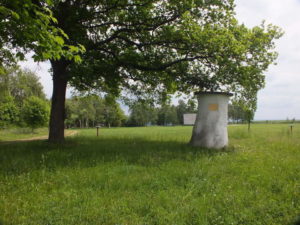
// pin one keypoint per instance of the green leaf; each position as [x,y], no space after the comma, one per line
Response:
[77,58]
[59,40]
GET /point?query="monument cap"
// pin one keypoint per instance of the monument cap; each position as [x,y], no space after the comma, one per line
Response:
[213,93]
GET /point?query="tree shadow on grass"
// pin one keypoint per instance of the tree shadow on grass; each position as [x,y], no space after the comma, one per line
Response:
[17,158]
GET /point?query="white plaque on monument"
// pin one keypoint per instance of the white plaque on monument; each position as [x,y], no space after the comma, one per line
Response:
[189,118]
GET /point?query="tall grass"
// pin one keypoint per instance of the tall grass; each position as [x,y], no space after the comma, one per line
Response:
[151,176]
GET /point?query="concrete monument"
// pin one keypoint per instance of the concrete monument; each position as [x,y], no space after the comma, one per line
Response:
[210,129]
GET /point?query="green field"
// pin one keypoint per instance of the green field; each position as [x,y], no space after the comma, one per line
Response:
[151,176]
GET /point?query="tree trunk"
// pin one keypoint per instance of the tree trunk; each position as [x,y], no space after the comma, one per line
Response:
[57,116]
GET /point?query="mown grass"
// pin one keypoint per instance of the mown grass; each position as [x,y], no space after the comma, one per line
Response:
[151,176]
[21,133]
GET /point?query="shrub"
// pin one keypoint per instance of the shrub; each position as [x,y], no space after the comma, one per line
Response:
[35,112]
[9,112]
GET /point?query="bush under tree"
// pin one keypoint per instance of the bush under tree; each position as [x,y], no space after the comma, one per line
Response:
[9,112]
[35,112]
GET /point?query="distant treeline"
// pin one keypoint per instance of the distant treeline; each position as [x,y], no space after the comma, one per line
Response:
[143,113]
[91,110]
[287,121]
[23,103]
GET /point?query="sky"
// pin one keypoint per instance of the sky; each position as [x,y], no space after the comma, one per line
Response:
[280,99]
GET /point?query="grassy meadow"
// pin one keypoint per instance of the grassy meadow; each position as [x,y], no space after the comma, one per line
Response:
[151,176]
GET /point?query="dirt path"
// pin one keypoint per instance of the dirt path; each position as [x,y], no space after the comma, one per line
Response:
[68,133]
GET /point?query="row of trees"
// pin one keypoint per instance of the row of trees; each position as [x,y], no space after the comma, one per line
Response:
[23,103]
[144,113]
[92,110]
[22,100]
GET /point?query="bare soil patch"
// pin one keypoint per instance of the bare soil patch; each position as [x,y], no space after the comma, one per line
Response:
[68,133]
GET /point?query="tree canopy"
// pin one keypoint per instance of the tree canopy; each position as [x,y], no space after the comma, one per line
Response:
[131,43]
[166,45]
[29,25]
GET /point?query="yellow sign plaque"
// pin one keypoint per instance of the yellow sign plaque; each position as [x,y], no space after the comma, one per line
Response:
[213,107]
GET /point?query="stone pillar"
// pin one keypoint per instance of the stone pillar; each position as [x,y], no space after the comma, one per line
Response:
[210,128]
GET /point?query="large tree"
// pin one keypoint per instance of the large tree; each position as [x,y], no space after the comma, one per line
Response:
[153,45]
[129,43]
[29,26]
